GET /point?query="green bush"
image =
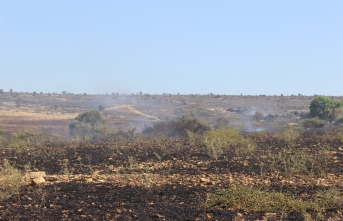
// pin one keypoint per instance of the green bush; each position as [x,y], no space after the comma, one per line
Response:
[186,123]
[92,117]
[314,123]
[323,107]
[215,142]
[178,127]
[89,123]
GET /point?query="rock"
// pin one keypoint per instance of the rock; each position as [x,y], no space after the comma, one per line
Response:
[37,174]
[50,178]
[38,180]
[204,180]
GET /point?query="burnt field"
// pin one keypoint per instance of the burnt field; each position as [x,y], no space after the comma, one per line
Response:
[167,157]
[285,175]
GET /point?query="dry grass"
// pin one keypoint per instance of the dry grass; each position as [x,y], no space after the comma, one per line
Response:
[255,200]
[15,114]
[10,180]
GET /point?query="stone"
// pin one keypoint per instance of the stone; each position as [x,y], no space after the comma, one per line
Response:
[37,174]
[204,180]
[50,178]
[38,180]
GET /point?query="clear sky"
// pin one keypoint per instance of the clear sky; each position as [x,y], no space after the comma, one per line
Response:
[170,46]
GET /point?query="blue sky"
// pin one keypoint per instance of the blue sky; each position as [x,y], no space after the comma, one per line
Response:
[223,47]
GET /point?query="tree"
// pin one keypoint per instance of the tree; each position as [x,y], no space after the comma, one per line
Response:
[87,123]
[323,107]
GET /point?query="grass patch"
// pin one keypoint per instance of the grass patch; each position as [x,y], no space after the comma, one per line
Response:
[249,199]
[10,180]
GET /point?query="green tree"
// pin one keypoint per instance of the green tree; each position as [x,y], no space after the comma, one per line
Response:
[87,123]
[323,107]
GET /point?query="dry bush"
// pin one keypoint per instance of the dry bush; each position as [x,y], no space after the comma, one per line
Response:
[290,136]
[10,180]
[216,141]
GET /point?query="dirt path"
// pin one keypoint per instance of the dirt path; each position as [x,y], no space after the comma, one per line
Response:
[132,109]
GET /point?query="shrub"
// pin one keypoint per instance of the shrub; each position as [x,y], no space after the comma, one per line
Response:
[258,116]
[87,123]
[178,127]
[215,141]
[10,180]
[186,123]
[92,117]
[79,128]
[323,107]
[290,135]
[314,123]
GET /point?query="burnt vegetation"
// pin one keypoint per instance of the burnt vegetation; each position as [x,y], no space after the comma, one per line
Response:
[181,168]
